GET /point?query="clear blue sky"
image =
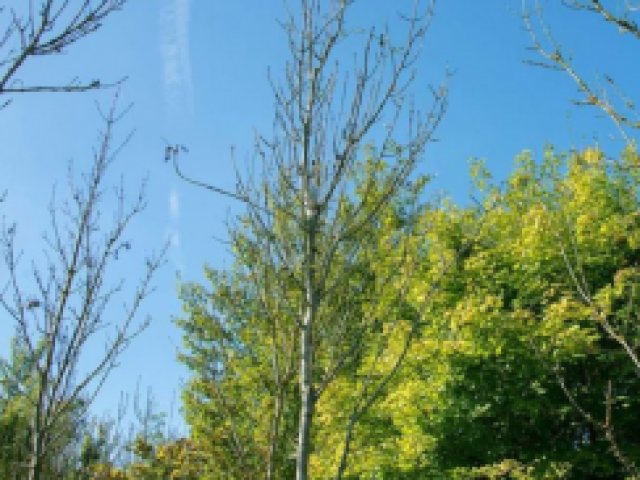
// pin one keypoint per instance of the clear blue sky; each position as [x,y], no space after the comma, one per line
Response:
[197,76]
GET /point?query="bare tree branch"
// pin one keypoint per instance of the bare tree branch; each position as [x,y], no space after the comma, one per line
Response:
[73,297]
[610,98]
[49,28]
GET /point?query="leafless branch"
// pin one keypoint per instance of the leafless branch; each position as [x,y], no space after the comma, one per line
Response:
[73,296]
[49,28]
[623,112]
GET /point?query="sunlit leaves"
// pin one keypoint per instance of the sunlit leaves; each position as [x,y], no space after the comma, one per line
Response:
[527,280]
[479,385]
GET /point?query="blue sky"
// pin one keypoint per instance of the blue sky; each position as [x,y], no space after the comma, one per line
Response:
[197,76]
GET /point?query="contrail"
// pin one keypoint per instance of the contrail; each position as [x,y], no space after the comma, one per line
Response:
[178,85]
[173,233]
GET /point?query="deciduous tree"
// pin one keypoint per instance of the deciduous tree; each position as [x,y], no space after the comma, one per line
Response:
[66,306]
[302,220]
[514,370]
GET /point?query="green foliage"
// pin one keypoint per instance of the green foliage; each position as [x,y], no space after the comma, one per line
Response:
[241,332]
[541,298]
[17,397]
[14,424]
[479,393]
[228,337]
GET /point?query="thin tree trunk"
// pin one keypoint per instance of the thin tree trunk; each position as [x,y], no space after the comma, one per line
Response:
[306,387]
[275,428]
[35,457]
[306,348]
[274,438]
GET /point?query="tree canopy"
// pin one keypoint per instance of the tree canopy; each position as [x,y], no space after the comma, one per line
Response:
[520,363]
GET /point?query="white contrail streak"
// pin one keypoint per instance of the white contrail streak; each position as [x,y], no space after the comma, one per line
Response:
[178,85]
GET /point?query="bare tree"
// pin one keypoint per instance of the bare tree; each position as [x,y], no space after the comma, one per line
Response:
[302,213]
[48,27]
[72,298]
[606,95]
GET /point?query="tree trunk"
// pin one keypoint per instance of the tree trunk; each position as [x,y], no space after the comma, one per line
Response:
[306,390]
[306,347]
[271,464]
[35,457]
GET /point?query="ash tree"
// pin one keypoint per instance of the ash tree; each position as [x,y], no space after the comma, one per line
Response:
[313,201]
[61,314]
